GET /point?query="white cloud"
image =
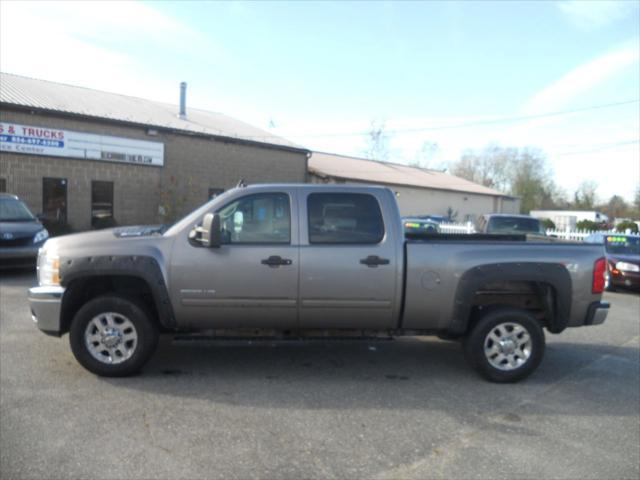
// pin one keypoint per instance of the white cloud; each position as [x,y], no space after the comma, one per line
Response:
[594,14]
[106,45]
[582,79]
[94,44]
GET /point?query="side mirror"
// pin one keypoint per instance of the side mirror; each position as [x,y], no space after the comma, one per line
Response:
[208,234]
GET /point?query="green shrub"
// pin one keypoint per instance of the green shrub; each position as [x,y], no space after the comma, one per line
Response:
[622,227]
[547,223]
[588,225]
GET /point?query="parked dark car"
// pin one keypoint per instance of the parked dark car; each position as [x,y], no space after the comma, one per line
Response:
[433,218]
[623,259]
[21,233]
[419,225]
[509,224]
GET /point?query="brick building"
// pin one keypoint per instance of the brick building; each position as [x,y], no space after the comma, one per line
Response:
[92,158]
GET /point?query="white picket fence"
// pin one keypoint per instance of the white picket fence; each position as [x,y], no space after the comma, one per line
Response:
[574,235]
[457,227]
[580,235]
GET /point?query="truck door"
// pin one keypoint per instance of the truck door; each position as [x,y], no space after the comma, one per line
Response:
[249,281]
[348,261]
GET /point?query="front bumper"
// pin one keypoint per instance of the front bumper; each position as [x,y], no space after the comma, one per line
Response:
[597,313]
[19,256]
[45,304]
[625,279]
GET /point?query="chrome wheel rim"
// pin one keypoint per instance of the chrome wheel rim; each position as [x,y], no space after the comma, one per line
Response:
[507,346]
[111,338]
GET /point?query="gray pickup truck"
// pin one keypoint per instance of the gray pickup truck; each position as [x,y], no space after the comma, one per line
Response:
[290,261]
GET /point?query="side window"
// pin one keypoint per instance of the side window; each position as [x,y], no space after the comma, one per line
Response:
[344,218]
[259,218]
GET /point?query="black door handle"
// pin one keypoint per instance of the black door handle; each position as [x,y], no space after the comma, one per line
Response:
[276,261]
[374,261]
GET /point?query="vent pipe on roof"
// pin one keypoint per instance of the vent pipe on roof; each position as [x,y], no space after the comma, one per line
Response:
[183,100]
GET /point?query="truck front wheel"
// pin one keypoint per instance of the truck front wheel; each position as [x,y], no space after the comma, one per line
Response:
[113,336]
[505,345]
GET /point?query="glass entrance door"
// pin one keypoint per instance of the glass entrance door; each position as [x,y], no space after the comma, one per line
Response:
[54,200]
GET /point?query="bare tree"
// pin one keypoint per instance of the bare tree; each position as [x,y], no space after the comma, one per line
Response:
[616,207]
[521,172]
[425,156]
[489,167]
[531,179]
[585,196]
[377,142]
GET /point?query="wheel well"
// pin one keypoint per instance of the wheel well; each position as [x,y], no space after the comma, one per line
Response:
[81,290]
[538,298]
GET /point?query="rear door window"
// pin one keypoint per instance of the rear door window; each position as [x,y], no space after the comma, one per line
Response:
[344,218]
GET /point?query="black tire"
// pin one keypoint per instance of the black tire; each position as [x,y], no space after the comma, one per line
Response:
[474,344]
[145,328]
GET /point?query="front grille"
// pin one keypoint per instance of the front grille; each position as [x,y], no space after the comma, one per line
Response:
[16,242]
[27,262]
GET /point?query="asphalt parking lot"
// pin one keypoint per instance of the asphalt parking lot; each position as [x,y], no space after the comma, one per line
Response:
[409,408]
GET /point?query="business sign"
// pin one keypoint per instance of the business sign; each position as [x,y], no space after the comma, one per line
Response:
[65,143]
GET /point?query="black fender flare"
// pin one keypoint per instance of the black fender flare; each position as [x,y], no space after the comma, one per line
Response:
[554,274]
[140,266]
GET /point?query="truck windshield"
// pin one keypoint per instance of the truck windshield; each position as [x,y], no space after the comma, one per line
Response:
[622,245]
[514,225]
[13,210]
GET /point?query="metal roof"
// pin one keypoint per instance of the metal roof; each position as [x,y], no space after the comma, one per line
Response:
[58,97]
[363,170]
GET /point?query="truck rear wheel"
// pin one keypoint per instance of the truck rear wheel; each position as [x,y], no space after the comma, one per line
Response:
[505,345]
[112,336]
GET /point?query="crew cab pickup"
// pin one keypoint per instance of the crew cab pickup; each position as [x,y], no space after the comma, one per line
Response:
[306,261]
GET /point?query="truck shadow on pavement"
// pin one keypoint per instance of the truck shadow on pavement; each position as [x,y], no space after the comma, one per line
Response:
[406,374]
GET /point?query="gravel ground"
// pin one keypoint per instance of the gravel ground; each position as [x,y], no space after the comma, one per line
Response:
[408,408]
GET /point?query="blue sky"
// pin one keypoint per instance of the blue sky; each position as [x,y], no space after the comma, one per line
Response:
[319,73]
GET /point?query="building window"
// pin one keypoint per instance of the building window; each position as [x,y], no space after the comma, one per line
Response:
[102,205]
[344,218]
[54,200]
[3,184]
[214,192]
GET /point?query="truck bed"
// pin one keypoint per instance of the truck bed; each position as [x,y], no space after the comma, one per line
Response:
[441,268]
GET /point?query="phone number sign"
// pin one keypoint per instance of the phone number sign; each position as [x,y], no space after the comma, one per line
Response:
[54,142]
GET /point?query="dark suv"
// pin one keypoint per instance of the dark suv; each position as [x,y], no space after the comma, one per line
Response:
[623,259]
[21,233]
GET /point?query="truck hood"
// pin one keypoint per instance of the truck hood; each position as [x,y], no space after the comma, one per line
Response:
[135,240]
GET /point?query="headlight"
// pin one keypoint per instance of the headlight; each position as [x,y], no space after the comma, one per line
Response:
[48,268]
[627,267]
[41,236]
